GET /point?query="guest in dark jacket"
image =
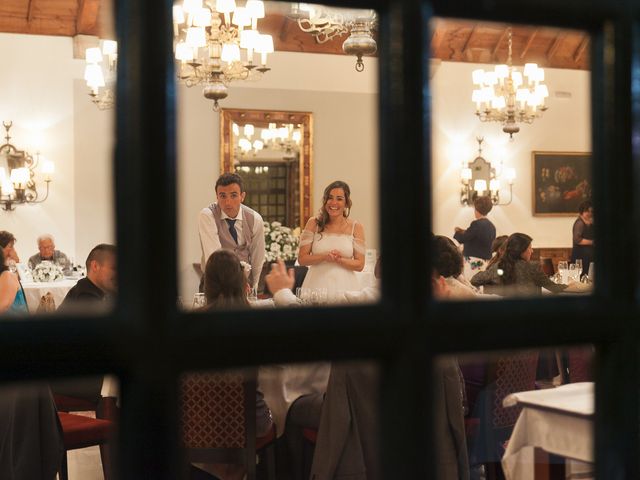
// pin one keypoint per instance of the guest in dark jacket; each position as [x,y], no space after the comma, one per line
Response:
[100,284]
[477,239]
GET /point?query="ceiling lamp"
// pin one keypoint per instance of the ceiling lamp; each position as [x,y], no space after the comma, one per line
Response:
[17,175]
[481,177]
[327,23]
[509,96]
[216,43]
[100,73]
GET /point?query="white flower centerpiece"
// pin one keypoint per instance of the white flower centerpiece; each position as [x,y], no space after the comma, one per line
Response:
[280,242]
[47,272]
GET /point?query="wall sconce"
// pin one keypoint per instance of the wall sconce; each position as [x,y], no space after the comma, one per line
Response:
[17,172]
[480,178]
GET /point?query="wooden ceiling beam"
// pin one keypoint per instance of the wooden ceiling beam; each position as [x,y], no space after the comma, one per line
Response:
[467,43]
[30,11]
[579,53]
[38,26]
[500,40]
[529,42]
[87,18]
[554,48]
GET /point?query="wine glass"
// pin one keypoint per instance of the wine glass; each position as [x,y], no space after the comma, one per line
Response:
[579,264]
[573,272]
[563,268]
[199,300]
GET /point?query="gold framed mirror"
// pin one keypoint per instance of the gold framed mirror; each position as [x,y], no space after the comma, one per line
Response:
[273,152]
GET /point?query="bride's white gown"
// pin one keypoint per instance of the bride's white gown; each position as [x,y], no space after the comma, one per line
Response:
[330,275]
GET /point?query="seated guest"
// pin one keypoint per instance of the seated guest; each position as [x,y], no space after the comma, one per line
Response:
[100,283]
[514,273]
[47,252]
[7,243]
[90,294]
[226,286]
[497,249]
[12,299]
[448,262]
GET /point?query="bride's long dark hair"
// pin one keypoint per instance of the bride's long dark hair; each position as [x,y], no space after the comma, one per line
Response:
[517,243]
[323,217]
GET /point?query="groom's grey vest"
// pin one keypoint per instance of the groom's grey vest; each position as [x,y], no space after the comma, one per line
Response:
[226,240]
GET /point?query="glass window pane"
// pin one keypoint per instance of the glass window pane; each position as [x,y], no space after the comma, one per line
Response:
[532,402]
[58,131]
[282,159]
[525,177]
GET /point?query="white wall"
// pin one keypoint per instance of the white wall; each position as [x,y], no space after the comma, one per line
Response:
[36,93]
[565,127]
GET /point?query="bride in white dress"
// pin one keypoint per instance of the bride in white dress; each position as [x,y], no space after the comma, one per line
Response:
[332,245]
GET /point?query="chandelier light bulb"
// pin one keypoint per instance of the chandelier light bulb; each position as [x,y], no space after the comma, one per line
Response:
[225,6]
[202,18]
[196,37]
[230,53]
[48,169]
[296,136]
[3,175]
[109,47]
[93,76]
[502,71]
[510,175]
[249,130]
[480,186]
[478,76]
[178,15]
[494,185]
[191,6]
[241,17]
[184,52]
[7,187]
[466,174]
[236,129]
[258,145]
[93,55]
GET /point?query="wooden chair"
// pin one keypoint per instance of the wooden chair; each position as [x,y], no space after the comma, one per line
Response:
[105,409]
[80,432]
[219,419]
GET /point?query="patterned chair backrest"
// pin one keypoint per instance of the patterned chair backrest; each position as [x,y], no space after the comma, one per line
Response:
[580,359]
[513,373]
[213,410]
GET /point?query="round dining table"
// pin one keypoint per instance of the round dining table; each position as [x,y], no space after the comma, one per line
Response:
[34,291]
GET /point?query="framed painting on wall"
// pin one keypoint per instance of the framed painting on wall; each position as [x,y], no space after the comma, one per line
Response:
[561,181]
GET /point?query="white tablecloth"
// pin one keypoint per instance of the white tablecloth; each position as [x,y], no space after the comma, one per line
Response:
[35,290]
[557,420]
[366,278]
[283,384]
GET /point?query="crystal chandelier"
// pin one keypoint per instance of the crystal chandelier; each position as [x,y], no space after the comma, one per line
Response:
[509,96]
[100,73]
[327,23]
[215,44]
[17,174]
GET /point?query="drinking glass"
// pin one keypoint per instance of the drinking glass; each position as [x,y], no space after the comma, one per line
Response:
[579,264]
[199,300]
[591,272]
[573,272]
[563,268]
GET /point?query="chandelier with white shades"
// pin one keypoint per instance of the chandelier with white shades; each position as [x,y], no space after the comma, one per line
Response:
[326,23]
[216,43]
[100,73]
[509,96]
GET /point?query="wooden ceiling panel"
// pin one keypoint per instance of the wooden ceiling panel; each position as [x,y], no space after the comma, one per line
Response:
[451,39]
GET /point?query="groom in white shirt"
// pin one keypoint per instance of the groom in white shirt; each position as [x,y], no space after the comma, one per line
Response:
[229,224]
